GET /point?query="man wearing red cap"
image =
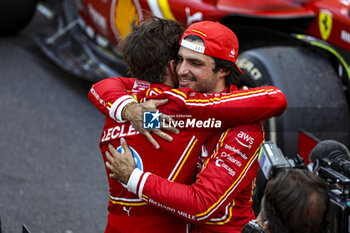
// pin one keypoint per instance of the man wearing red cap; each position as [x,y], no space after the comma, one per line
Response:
[211,42]
[220,198]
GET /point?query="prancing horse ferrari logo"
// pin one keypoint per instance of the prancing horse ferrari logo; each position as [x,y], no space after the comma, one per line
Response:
[325,21]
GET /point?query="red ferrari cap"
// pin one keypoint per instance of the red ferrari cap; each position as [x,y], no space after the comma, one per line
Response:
[219,41]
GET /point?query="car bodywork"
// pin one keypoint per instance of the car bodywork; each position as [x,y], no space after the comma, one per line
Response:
[255,22]
[328,20]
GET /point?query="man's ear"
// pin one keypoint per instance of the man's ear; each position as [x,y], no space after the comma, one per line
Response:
[172,67]
[222,73]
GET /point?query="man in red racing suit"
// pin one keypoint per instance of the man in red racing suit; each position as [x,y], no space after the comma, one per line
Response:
[176,160]
[220,199]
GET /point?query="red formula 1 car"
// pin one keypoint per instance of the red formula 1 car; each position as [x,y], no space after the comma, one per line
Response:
[300,46]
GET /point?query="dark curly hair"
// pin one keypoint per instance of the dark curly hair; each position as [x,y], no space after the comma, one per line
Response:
[296,201]
[150,47]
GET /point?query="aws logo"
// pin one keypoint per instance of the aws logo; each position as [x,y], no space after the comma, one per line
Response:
[244,139]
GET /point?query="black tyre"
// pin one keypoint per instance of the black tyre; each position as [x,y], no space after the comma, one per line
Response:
[316,100]
[15,15]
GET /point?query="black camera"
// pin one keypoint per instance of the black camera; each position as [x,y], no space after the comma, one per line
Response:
[331,162]
[271,159]
[339,193]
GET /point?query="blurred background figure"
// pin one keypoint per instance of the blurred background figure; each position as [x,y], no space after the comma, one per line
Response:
[295,201]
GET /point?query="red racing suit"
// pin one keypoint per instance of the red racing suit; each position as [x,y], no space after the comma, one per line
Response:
[175,160]
[220,199]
